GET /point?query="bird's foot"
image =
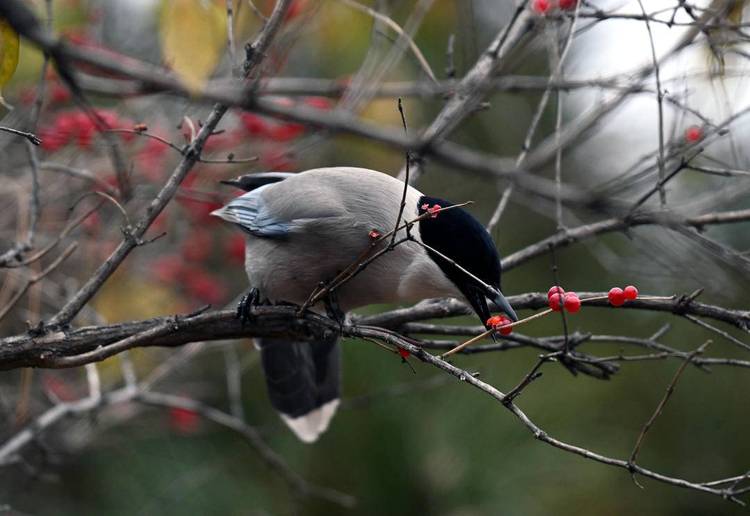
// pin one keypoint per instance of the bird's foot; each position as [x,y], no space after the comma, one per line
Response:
[249,300]
[333,309]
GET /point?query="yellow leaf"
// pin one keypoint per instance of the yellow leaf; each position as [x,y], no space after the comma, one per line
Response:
[8,55]
[193,36]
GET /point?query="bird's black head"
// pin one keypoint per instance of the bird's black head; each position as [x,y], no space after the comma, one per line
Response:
[465,252]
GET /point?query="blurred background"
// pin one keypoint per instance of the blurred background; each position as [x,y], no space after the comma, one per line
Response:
[406,440]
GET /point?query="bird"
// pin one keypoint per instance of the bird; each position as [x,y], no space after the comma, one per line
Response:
[302,229]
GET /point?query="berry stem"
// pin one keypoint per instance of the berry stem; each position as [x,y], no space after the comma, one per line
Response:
[488,332]
[537,316]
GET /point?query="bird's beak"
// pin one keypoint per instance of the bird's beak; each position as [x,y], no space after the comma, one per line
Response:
[499,299]
[232,182]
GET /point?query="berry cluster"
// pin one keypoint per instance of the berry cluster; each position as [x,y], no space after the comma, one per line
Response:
[544,7]
[618,296]
[500,323]
[559,299]
[78,128]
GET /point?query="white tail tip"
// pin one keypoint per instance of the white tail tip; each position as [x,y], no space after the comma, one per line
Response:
[310,426]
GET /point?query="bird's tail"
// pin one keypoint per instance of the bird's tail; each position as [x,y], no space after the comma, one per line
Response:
[304,382]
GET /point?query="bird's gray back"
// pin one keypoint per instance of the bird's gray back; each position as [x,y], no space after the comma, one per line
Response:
[330,213]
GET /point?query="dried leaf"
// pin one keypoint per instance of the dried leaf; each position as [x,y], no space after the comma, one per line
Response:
[8,55]
[193,36]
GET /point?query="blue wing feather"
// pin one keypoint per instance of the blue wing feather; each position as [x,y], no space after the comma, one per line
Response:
[251,214]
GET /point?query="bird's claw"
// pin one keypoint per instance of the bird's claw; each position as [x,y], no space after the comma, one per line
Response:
[252,298]
[333,309]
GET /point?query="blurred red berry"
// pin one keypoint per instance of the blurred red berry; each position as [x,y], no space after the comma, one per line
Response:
[374,234]
[203,286]
[616,296]
[59,94]
[294,10]
[254,124]
[286,132]
[630,292]
[403,353]
[109,118]
[92,223]
[556,301]
[493,321]
[555,289]
[541,6]
[567,4]
[66,123]
[168,268]
[84,129]
[183,421]
[58,387]
[693,134]
[236,248]
[52,139]
[197,246]
[572,302]
[318,102]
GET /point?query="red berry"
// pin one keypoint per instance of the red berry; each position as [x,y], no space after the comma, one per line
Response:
[403,353]
[555,289]
[497,323]
[432,210]
[556,301]
[567,4]
[572,302]
[541,6]
[616,296]
[182,420]
[374,234]
[502,327]
[630,292]
[693,134]
[493,321]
